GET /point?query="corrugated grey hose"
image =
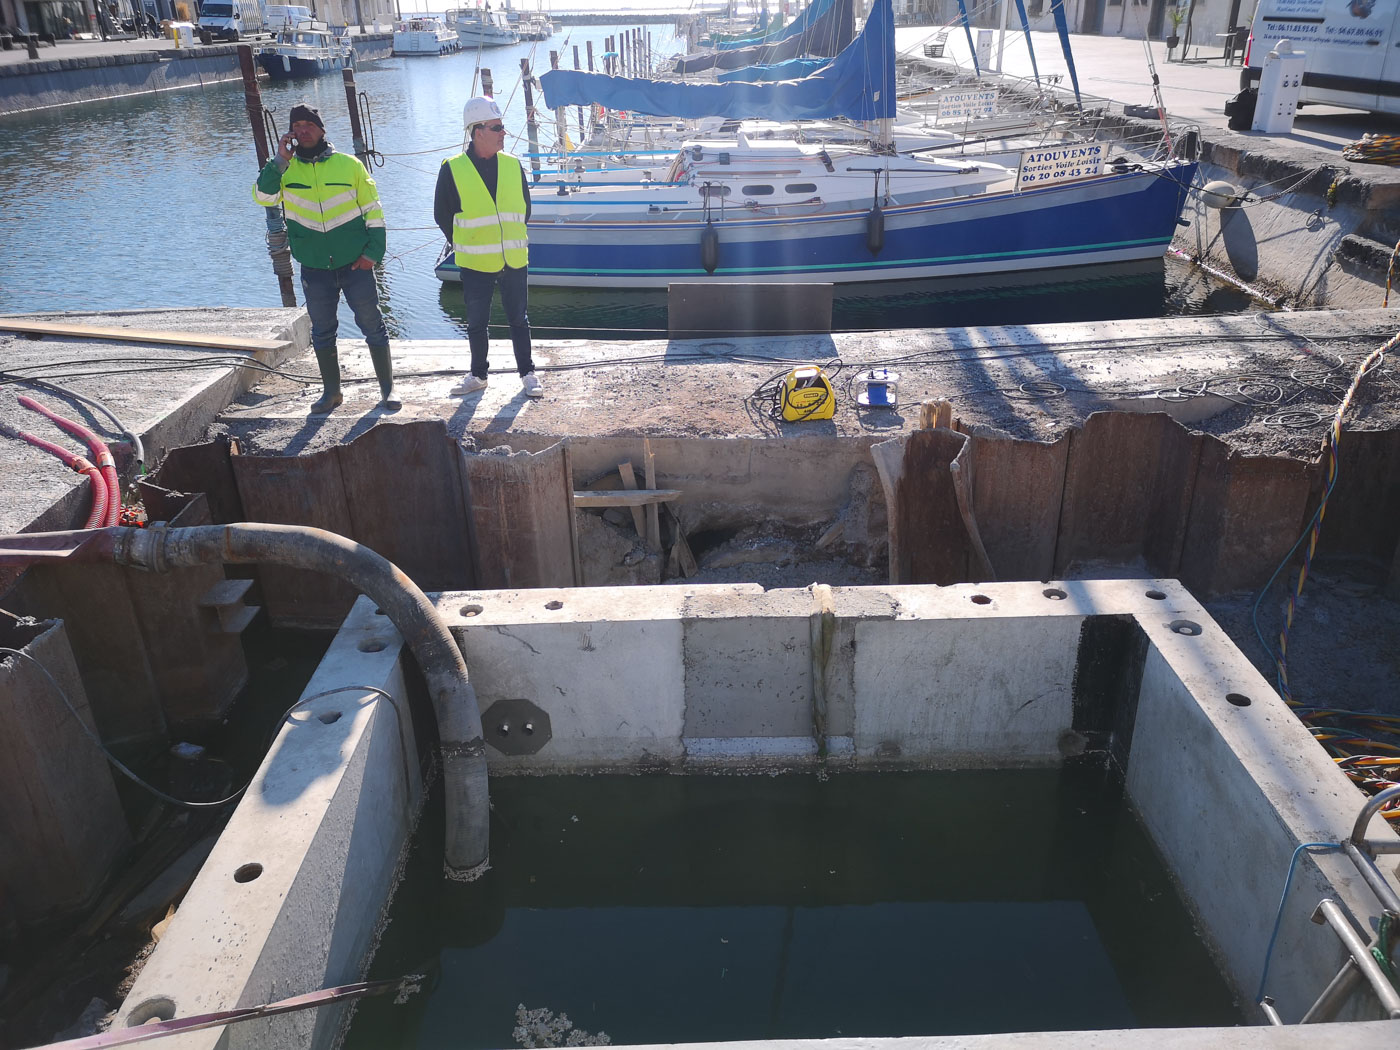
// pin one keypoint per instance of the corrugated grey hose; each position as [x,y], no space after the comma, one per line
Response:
[159,548]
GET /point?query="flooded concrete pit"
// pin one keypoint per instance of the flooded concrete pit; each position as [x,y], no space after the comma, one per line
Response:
[1153,448]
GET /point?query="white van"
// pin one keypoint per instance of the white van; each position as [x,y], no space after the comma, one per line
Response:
[231,19]
[284,16]
[1352,48]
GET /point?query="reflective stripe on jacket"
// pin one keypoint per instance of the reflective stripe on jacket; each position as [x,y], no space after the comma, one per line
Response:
[332,208]
[489,235]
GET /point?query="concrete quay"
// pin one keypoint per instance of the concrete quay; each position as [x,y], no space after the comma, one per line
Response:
[1308,227]
[78,71]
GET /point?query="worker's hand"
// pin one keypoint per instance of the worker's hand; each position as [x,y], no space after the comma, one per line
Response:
[364,262]
[284,146]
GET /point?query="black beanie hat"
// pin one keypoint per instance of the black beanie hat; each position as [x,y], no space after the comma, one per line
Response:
[301,111]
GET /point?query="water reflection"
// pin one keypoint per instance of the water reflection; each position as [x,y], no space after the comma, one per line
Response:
[146,202]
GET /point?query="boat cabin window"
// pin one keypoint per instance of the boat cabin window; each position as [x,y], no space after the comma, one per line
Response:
[757,191]
[714,191]
[801,187]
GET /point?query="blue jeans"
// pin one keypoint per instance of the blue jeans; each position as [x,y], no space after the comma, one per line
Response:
[476,294]
[322,289]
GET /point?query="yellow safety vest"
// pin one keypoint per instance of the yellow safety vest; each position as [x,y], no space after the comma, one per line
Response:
[489,235]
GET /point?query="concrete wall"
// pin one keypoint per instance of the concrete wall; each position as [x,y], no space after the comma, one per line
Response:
[653,678]
[325,820]
[65,81]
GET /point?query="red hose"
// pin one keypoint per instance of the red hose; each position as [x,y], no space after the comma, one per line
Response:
[100,453]
[97,515]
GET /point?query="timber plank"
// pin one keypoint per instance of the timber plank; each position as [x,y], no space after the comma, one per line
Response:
[201,340]
[634,498]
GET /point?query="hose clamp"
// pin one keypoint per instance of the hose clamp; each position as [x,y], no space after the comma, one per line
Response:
[143,548]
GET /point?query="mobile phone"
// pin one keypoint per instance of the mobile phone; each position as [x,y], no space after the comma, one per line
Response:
[293,143]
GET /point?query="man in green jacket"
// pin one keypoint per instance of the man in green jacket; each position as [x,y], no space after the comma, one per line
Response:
[335,227]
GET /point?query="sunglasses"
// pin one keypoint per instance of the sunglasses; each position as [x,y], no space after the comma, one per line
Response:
[494,127]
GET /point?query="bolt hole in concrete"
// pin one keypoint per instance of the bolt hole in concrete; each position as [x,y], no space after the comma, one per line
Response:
[1238,699]
[554,605]
[1053,593]
[1156,596]
[157,1008]
[981,599]
[329,717]
[470,610]
[372,645]
[662,909]
[1187,627]
[247,872]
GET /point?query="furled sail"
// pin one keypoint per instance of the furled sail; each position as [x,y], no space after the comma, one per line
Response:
[796,27]
[857,84]
[827,33]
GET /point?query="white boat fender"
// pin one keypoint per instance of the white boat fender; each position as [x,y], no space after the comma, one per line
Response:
[1219,194]
[709,248]
[875,229]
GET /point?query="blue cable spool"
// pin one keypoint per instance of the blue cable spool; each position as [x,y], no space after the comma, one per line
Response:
[877,388]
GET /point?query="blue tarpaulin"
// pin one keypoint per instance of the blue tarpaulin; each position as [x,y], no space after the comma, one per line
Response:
[821,37]
[792,69]
[796,27]
[857,84]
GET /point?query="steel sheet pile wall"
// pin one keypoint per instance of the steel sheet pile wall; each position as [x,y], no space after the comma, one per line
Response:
[1136,492]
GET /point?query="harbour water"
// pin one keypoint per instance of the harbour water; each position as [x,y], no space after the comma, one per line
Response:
[146,202]
[666,909]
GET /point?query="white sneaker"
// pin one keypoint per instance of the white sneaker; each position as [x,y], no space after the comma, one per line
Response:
[533,386]
[469,385]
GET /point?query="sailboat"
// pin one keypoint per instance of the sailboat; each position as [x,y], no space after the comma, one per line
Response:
[776,211]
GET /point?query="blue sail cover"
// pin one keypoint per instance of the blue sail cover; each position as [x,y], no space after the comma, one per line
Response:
[796,27]
[792,69]
[821,37]
[857,84]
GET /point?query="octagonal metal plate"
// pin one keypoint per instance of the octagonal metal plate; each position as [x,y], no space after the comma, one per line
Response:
[516,727]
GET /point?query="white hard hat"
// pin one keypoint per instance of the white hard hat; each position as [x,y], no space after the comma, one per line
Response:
[479,110]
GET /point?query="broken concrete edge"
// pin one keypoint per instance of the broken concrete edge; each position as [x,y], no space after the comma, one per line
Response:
[1220,787]
[186,420]
[292,896]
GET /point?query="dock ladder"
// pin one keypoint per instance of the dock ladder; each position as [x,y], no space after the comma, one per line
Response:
[1362,959]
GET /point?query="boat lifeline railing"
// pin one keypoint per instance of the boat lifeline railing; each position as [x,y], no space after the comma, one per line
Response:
[1370,960]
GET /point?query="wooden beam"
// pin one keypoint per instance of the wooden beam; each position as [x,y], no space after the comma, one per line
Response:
[201,340]
[629,480]
[653,512]
[624,497]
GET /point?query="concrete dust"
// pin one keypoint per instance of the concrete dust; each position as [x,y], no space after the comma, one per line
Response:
[1267,383]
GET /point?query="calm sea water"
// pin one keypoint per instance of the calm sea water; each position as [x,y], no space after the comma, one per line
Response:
[146,202]
[668,909]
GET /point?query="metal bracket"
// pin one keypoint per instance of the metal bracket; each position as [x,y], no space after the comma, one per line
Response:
[516,727]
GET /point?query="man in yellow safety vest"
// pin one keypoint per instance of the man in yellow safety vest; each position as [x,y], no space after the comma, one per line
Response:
[481,204]
[335,226]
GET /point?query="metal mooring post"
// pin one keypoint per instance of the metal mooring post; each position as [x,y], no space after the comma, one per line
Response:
[357,134]
[532,129]
[277,245]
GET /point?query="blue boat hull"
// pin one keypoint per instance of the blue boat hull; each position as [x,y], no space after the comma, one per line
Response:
[283,67]
[1110,219]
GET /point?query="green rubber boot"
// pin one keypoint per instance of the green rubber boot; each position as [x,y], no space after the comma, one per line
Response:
[384,372]
[329,363]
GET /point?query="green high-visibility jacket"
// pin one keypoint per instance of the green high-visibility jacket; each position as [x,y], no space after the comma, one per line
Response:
[332,208]
[489,235]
